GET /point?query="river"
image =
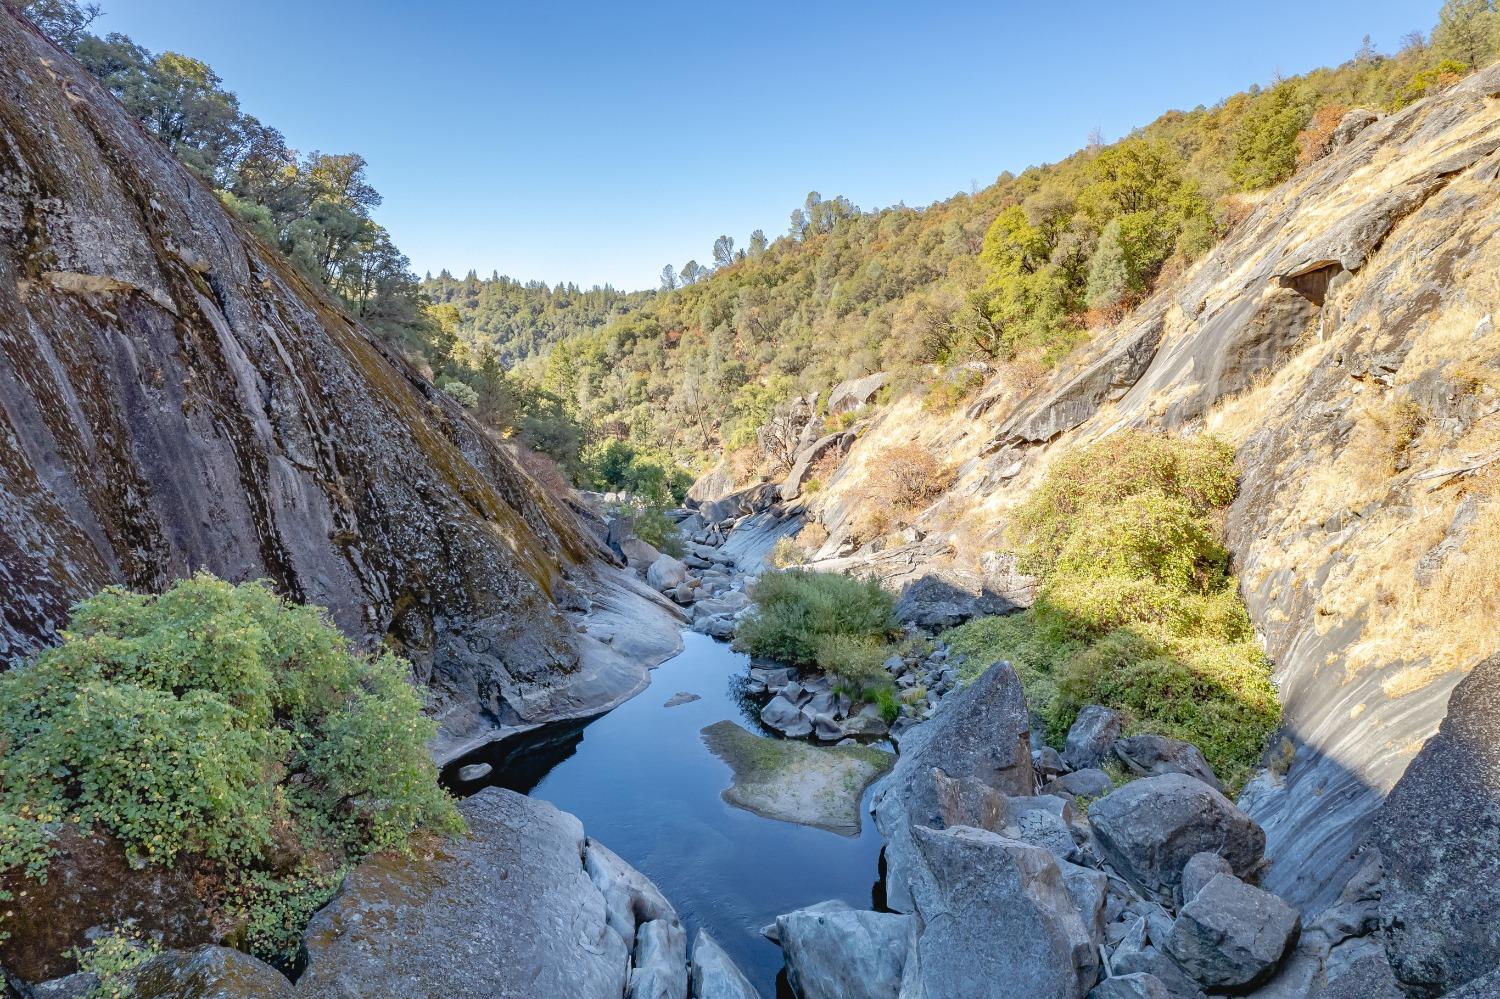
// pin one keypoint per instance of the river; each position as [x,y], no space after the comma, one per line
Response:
[645,786]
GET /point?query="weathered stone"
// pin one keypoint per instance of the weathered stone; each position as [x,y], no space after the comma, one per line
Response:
[844,954]
[474,771]
[1439,835]
[1360,970]
[1151,827]
[1089,782]
[784,716]
[868,722]
[1048,763]
[1089,890]
[666,573]
[659,969]
[1092,736]
[1200,869]
[1140,985]
[1232,935]
[206,972]
[714,975]
[639,555]
[773,934]
[982,732]
[848,396]
[508,911]
[993,910]
[1153,755]
[680,698]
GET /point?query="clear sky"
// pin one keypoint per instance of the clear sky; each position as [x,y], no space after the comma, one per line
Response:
[595,142]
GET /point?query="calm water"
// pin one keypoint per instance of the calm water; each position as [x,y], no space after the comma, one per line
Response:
[645,786]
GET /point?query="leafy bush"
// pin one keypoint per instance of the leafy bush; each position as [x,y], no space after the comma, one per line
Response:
[858,660]
[112,955]
[653,526]
[1137,609]
[794,610]
[216,720]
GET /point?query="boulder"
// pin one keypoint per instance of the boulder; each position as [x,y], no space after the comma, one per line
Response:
[474,771]
[638,554]
[773,934]
[868,722]
[1092,736]
[1140,985]
[1232,935]
[207,972]
[1439,835]
[1354,121]
[1090,782]
[983,732]
[680,698]
[848,396]
[1153,755]
[659,969]
[714,975]
[844,954]
[666,573]
[993,910]
[1089,890]
[1150,828]
[1200,869]
[783,715]
[1048,763]
[508,910]
[791,486]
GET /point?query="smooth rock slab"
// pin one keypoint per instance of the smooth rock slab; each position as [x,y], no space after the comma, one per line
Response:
[795,781]
[994,914]
[844,954]
[507,911]
[714,975]
[1151,827]
[1232,935]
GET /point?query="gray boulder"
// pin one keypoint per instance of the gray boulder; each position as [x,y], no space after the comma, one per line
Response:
[509,910]
[1089,890]
[639,555]
[660,968]
[714,975]
[1150,828]
[666,573]
[205,972]
[1141,985]
[773,933]
[1439,834]
[1092,736]
[1232,935]
[983,732]
[783,715]
[1089,782]
[995,913]
[844,954]
[1153,755]
[1200,869]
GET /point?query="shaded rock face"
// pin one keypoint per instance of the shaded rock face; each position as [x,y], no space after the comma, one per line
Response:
[174,397]
[90,883]
[1439,836]
[983,733]
[509,911]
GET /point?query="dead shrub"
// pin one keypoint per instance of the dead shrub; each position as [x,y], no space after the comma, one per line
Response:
[548,474]
[907,477]
[1313,141]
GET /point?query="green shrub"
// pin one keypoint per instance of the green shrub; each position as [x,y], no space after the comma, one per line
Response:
[1137,609]
[653,526]
[858,660]
[885,700]
[209,720]
[112,956]
[794,610]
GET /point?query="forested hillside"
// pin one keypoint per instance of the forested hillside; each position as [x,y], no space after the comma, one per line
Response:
[1011,277]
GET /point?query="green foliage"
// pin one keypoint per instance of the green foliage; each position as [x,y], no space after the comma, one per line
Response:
[890,708]
[1444,74]
[112,956]
[618,466]
[653,526]
[794,611]
[856,659]
[212,719]
[461,392]
[1265,147]
[1137,609]
[1467,33]
[270,911]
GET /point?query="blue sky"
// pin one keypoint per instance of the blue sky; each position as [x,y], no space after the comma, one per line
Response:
[594,142]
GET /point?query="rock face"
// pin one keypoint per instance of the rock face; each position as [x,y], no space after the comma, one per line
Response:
[515,909]
[173,396]
[995,913]
[1439,836]
[983,732]
[1152,827]
[844,953]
